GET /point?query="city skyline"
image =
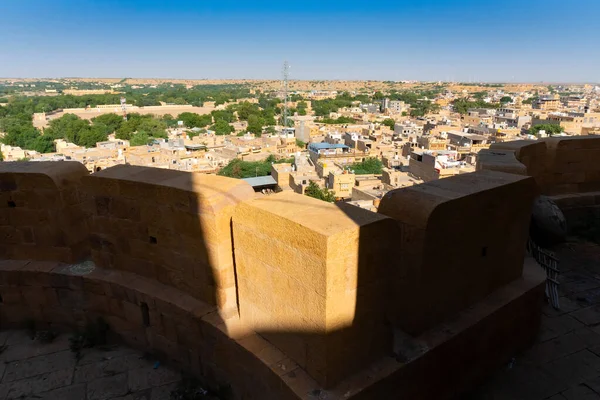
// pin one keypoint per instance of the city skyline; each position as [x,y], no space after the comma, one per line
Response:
[463,41]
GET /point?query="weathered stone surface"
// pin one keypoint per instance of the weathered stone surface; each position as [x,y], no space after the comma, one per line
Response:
[20,369]
[107,387]
[335,261]
[460,240]
[42,216]
[168,225]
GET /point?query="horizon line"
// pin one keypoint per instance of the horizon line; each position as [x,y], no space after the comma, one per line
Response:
[312,80]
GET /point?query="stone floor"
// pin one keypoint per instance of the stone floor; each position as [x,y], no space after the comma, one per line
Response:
[31,370]
[564,363]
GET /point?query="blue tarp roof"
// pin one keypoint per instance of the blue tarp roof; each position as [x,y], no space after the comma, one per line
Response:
[261,181]
[323,146]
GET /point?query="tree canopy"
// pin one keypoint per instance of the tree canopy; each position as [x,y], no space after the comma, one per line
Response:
[313,190]
[221,127]
[462,106]
[370,165]
[111,121]
[422,108]
[339,120]
[247,169]
[148,124]
[389,123]
[193,120]
[550,129]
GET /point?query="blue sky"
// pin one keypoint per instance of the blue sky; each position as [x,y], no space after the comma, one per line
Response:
[506,40]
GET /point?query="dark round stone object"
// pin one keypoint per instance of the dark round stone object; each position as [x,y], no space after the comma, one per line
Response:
[548,223]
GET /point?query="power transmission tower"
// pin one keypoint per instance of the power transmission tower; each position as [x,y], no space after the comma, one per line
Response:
[286,74]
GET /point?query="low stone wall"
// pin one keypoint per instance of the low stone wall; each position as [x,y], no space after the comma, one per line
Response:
[313,280]
[167,225]
[559,165]
[229,358]
[150,316]
[42,211]
[461,239]
[566,169]
[329,290]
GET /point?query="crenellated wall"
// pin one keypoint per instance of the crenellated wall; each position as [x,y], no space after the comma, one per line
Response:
[306,295]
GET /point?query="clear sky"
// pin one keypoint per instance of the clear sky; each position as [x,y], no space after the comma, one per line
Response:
[485,40]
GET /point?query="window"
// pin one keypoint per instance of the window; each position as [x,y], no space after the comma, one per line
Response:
[344,186]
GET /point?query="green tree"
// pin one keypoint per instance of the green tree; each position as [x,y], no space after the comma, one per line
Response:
[422,108]
[506,99]
[221,127]
[370,165]
[300,144]
[389,123]
[41,144]
[462,106]
[302,105]
[313,190]
[111,122]
[153,127]
[92,135]
[246,169]
[192,120]
[339,120]
[551,129]
[169,120]
[224,115]
[140,139]
[69,127]
[255,124]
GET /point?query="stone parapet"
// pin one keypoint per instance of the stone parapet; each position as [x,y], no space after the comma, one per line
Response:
[307,296]
[460,239]
[313,278]
[167,225]
[42,211]
[560,165]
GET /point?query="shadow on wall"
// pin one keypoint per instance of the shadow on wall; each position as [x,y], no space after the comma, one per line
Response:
[171,226]
[309,276]
[337,287]
[312,279]
[319,281]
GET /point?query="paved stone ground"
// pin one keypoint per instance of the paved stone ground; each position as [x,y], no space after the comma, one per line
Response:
[30,370]
[564,363]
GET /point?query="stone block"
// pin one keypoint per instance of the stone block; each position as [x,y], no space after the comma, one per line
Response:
[455,263]
[314,258]
[180,241]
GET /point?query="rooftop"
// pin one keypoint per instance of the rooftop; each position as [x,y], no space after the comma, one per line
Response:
[261,181]
[325,146]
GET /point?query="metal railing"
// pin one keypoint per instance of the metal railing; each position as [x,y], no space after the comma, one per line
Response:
[549,262]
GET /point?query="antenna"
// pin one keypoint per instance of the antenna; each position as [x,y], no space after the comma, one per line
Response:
[124,108]
[286,74]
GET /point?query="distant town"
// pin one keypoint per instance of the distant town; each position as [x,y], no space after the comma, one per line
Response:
[334,140]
